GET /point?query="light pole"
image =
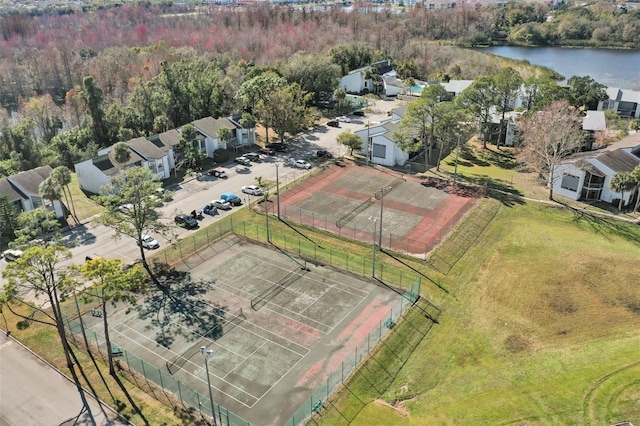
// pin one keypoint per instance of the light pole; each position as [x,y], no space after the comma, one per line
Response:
[266,214]
[373,256]
[455,173]
[206,354]
[367,152]
[382,192]
[278,190]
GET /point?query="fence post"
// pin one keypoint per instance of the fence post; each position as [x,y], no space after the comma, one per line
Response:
[161,381]
[179,392]
[231,219]
[195,249]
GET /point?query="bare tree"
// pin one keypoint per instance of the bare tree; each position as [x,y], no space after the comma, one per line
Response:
[549,136]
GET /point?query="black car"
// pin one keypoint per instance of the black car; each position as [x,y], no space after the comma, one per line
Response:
[358,113]
[278,146]
[323,153]
[186,221]
[333,123]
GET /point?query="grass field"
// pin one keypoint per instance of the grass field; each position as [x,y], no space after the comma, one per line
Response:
[540,325]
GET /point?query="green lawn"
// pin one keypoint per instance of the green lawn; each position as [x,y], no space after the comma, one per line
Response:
[540,325]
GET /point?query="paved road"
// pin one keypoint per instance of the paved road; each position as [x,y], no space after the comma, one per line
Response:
[42,397]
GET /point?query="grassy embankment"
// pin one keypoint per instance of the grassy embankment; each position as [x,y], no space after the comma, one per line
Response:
[540,325]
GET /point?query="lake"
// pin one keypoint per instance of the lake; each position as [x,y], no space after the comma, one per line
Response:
[613,68]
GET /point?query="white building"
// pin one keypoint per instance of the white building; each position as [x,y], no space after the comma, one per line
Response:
[587,176]
[22,190]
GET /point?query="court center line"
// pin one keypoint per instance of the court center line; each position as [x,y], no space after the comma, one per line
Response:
[249,356]
[271,333]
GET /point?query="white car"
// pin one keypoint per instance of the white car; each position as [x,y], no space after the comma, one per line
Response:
[252,190]
[344,119]
[125,208]
[149,242]
[301,164]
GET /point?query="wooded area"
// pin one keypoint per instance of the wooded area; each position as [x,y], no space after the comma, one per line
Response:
[80,79]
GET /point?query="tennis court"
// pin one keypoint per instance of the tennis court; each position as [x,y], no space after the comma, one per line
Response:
[276,324]
[412,217]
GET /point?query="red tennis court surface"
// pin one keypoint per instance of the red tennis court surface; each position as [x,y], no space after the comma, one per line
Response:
[415,214]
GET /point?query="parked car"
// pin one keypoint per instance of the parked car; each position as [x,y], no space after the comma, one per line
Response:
[252,190]
[186,221]
[125,208]
[252,156]
[333,123]
[278,146]
[344,119]
[149,242]
[323,153]
[358,113]
[219,204]
[242,160]
[231,198]
[267,151]
[217,172]
[11,255]
[301,164]
[242,169]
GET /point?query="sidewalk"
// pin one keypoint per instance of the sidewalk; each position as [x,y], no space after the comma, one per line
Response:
[33,393]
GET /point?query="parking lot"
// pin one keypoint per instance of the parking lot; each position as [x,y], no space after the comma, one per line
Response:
[195,193]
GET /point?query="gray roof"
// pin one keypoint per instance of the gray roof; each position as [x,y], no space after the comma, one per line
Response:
[594,121]
[145,148]
[623,95]
[167,140]
[456,86]
[210,125]
[11,192]
[109,166]
[401,111]
[619,160]
[30,180]
[588,167]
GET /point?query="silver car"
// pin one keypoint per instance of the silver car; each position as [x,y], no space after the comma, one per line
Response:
[252,190]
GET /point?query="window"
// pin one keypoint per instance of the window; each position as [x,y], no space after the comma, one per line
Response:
[570,182]
[379,151]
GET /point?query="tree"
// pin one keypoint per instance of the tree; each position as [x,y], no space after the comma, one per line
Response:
[39,270]
[350,140]
[479,98]
[135,186]
[45,114]
[112,284]
[585,92]
[416,130]
[8,218]
[315,74]
[452,127]
[547,137]
[635,174]
[62,176]
[189,145]
[37,224]
[49,189]
[225,134]
[284,110]
[93,97]
[258,88]
[622,182]
[121,153]
[507,84]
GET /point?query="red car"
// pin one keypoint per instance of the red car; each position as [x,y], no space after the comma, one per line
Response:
[267,151]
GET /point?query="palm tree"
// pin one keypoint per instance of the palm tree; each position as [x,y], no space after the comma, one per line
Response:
[62,176]
[121,152]
[622,182]
[49,189]
[635,174]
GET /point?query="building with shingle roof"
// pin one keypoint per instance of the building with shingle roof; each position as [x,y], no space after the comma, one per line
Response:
[23,190]
[587,175]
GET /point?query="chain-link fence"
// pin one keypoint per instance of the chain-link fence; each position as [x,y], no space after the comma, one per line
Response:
[150,378]
[165,387]
[321,395]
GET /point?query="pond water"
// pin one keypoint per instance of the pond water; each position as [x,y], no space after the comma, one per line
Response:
[613,68]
